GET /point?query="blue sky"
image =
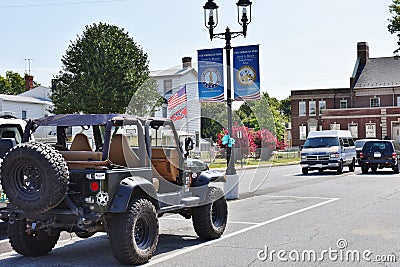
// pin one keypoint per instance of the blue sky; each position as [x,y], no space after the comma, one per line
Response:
[305,44]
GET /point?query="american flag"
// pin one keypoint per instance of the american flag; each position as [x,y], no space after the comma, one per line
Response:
[177,98]
[180,114]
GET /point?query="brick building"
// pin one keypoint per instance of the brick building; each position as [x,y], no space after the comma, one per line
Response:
[369,108]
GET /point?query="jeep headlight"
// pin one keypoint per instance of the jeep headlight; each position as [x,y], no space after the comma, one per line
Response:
[334,155]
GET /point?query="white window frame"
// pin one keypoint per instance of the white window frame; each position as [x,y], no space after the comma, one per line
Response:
[302,104]
[312,108]
[343,104]
[321,106]
[303,132]
[335,126]
[376,104]
[353,128]
[370,130]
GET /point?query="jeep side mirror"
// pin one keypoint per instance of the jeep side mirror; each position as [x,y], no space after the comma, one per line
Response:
[188,144]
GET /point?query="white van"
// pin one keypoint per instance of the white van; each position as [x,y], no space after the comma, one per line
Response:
[331,150]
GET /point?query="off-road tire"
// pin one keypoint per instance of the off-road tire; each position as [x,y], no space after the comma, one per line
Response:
[134,233]
[304,171]
[31,245]
[209,220]
[35,177]
[352,166]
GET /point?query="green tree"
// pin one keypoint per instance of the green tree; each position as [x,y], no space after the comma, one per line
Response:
[101,71]
[12,84]
[146,100]
[213,119]
[394,25]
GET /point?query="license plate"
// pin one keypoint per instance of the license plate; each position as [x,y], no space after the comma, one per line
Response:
[377,155]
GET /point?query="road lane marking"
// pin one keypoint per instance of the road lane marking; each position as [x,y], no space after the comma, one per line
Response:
[170,218]
[189,249]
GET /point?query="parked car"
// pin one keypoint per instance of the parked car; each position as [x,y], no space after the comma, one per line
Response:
[328,150]
[380,154]
[359,144]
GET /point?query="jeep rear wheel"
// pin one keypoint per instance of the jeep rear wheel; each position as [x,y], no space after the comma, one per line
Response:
[32,245]
[35,177]
[134,233]
[209,221]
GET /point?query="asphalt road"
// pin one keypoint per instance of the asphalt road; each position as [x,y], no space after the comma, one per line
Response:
[291,220]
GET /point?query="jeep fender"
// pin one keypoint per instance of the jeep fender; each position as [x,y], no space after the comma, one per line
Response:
[127,188]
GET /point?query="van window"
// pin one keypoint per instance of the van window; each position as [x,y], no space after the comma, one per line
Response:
[344,142]
[321,142]
[351,142]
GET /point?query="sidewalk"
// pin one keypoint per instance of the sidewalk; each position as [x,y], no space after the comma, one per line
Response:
[251,167]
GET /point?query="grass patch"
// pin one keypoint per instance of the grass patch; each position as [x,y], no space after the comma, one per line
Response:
[276,160]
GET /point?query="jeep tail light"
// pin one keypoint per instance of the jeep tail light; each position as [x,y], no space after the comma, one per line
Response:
[361,155]
[94,186]
[394,155]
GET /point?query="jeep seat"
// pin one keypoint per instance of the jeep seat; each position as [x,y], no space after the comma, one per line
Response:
[5,145]
[121,153]
[81,143]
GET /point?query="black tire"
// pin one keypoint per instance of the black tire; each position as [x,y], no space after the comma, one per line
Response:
[340,168]
[134,233]
[396,169]
[374,169]
[84,234]
[352,166]
[304,171]
[364,169]
[35,177]
[321,170]
[209,220]
[31,245]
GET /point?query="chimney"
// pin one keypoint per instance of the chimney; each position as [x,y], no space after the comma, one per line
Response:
[28,82]
[187,62]
[363,52]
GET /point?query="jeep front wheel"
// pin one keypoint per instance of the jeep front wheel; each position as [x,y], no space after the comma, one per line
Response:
[33,244]
[209,220]
[35,177]
[134,233]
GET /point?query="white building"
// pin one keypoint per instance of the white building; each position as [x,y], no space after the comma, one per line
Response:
[31,104]
[172,80]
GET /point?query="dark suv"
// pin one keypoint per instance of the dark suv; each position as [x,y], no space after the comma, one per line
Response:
[380,154]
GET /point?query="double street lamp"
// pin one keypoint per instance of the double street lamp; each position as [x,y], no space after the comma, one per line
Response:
[211,11]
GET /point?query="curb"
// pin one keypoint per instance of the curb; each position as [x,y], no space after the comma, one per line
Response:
[252,167]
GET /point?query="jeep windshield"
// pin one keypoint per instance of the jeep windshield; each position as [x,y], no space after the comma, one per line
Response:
[321,142]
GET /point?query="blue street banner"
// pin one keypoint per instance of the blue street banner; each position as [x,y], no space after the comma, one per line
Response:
[211,75]
[246,66]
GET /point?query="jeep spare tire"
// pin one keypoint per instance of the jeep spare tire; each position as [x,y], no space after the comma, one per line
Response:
[35,177]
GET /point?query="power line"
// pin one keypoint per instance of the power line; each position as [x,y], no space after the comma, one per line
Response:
[62,4]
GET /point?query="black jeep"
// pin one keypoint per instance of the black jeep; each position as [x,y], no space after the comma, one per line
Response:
[118,175]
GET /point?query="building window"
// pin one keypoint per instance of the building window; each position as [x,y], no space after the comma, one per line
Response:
[370,130]
[322,106]
[398,101]
[343,104]
[167,86]
[375,102]
[24,115]
[335,126]
[353,128]
[302,108]
[312,105]
[303,132]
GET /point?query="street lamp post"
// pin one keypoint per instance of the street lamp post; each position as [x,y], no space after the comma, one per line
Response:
[211,9]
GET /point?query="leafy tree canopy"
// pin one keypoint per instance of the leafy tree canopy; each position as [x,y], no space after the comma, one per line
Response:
[101,71]
[394,25]
[12,84]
